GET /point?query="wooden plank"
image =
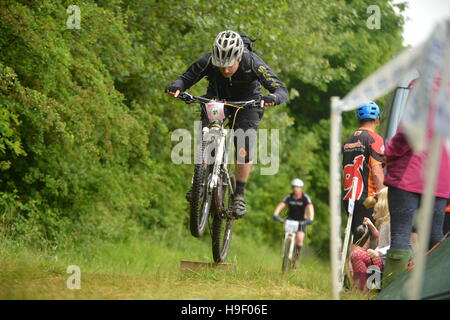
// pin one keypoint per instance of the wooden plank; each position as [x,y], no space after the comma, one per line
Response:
[195,266]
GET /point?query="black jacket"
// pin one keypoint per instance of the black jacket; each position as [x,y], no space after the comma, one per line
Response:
[243,85]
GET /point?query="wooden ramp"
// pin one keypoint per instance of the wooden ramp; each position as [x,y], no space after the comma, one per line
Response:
[187,266]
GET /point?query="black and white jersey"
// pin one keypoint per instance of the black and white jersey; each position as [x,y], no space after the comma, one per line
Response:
[297,206]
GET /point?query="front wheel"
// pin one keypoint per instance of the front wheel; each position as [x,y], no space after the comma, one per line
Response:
[221,237]
[201,200]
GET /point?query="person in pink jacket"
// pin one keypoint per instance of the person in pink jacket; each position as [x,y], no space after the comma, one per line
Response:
[405,178]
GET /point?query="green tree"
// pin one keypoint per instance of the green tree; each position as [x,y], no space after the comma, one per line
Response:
[86,128]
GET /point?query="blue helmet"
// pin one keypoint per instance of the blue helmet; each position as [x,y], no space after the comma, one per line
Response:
[369,110]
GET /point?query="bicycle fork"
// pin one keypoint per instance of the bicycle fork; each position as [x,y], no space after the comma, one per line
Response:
[219,146]
[292,244]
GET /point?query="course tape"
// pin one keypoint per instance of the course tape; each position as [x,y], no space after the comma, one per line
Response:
[430,58]
[383,80]
[433,64]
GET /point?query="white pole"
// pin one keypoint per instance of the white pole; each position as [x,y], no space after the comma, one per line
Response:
[351,208]
[335,193]
[425,216]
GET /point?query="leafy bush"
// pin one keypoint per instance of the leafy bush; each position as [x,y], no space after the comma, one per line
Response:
[85,125]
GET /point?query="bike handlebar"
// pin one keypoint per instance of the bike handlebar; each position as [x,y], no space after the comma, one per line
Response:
[189,98]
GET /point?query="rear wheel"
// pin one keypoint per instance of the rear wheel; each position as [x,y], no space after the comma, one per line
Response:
[222,223]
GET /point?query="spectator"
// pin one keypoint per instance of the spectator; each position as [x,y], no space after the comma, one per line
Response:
[362,258]
[362,158]
[404,176]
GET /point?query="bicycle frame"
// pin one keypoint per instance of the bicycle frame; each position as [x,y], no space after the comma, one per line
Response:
[290,233]
[220,135]
[291,229]
[216,131]
[218,182]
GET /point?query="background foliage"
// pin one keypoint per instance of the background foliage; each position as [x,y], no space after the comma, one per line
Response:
[85,125]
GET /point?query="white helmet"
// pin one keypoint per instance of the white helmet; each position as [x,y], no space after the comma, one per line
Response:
[297,183]
[227,49]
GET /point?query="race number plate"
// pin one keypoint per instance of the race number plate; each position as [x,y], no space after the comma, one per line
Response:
[215,111]
[291,226]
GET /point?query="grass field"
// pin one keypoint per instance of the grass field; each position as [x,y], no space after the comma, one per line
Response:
[148,267]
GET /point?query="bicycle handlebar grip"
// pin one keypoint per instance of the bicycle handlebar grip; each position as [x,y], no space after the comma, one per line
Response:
[189,98]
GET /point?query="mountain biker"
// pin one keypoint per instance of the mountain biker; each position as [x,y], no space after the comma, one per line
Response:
[235,73]
[300,208]
[363,158]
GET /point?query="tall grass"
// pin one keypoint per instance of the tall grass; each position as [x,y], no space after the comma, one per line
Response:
[148,267]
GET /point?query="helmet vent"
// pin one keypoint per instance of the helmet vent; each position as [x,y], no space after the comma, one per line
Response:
[228,48]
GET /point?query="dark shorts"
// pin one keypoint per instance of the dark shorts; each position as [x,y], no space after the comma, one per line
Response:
[246,123]
[359,213]
[302,226]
